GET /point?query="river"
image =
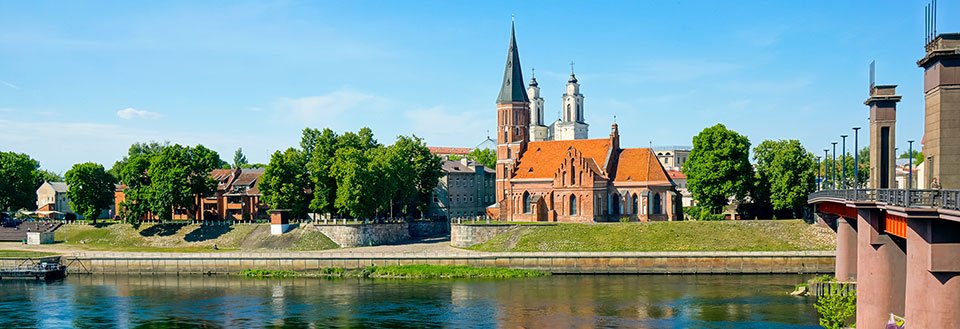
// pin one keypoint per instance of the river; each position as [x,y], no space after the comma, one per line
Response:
[559,301]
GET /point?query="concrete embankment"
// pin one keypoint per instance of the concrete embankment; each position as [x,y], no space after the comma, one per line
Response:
[555,262]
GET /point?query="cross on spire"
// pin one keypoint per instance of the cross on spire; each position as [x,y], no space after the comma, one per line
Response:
[571,67]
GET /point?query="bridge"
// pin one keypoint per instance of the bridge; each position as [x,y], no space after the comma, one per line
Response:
[902,245]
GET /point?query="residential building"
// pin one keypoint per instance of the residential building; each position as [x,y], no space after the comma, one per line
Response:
[445,151]
[236,198]
[680,180]
[465,190]
[571,180]
[52,200]
[672,157]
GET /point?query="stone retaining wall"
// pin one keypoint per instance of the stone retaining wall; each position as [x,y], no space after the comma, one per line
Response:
[462,236]
[359,235]
[564,262]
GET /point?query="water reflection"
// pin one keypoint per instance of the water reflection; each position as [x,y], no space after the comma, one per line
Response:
[650,301]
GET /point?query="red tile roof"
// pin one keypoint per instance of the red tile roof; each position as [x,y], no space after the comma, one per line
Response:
[449,150]
[676,174]
[542,159]
[639,165]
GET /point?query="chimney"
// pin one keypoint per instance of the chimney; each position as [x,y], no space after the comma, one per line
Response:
[615,136]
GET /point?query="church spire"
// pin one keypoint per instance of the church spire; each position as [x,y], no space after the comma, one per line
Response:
[512,89]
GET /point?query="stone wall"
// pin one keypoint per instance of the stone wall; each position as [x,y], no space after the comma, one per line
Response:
[358,235]
[561,262]
[366,234]
[428,229]
[462,236]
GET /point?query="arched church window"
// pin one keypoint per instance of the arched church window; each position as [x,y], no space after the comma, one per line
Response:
[656,204]
[526,202]
[636,204]
[615,203]
[573,205]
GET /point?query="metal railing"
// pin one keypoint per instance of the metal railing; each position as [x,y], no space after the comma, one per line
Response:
[914,198]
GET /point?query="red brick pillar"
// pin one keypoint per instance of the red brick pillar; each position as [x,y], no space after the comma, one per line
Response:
[933,274]
[881,271]
[846,266]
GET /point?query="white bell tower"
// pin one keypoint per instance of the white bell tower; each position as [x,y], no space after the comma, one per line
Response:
[572,124]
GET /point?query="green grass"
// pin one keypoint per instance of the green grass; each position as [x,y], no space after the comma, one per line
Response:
[264,274]
[450,272]
[764,235]
[24,254]
[403,272]
[181,237]
[493,222]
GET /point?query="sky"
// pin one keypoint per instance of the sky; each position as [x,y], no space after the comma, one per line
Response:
[82,80]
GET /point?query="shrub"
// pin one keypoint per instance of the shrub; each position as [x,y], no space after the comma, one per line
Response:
[624,219]
[836,310]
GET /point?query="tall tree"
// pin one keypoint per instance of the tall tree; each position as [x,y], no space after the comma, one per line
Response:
[170,181]
[486,157]
[91,189]
[718,168]
[19,180]
[319,148]
[49,176]
[784,174]
[136,149]
[239,160]
[284,182]
[138,192]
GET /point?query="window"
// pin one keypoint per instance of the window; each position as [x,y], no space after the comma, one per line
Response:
[526,203]
[615,204]
[636,204]
[573,205]
[656,204]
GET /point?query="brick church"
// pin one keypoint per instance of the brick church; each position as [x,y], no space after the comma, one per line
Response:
[570,179]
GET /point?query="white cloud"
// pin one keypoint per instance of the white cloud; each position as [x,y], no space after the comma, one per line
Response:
[440,126]
[132,113]
[9,85]
[330,106]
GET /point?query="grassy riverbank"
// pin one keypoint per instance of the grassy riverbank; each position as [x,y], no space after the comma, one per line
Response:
[763,235]
[403,272]
[178,237]
[24,254]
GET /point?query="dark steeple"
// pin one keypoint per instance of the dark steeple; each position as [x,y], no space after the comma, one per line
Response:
[512,89]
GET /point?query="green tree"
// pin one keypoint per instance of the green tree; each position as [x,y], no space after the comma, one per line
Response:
[718,168]
[136,149]
[486,157]
[19,180]
[284,182]
[239,160]
[356,194]
[784,176]
[49,176]
[138,192]
[917,156]
[169,181]
[91,189]
[827,166]
[160,178]
[319,148]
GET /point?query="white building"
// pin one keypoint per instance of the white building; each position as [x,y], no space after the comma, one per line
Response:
[571,124]
[52,199]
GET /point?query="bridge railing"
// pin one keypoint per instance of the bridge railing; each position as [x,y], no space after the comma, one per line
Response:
[913,198]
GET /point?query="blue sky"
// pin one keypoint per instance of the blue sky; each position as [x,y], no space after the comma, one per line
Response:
[81,81]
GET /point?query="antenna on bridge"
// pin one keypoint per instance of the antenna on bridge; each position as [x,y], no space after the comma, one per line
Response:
[873,75]
[930,22]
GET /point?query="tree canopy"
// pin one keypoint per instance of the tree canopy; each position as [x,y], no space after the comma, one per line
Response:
[91,189]
[784,176]
[19,179]
[239,159]
[486,157]
[284,182]
[165,178]
[718,168]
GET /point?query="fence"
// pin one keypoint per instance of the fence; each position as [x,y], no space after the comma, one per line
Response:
[913,198]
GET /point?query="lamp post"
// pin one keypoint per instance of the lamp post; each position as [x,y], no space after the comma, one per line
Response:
[856,158]
[910,166]
[834,165]
[825,157]
[843,163]
[818,173]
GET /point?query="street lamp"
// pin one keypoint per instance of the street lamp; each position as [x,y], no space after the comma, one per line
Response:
[843,163]
[825,157]
[910,167]
[856,157]
[834,165]
[818,172]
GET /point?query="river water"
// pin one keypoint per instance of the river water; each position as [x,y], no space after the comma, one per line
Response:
[560,301]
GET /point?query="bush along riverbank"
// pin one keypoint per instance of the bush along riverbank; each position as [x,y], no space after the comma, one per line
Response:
[403,272]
